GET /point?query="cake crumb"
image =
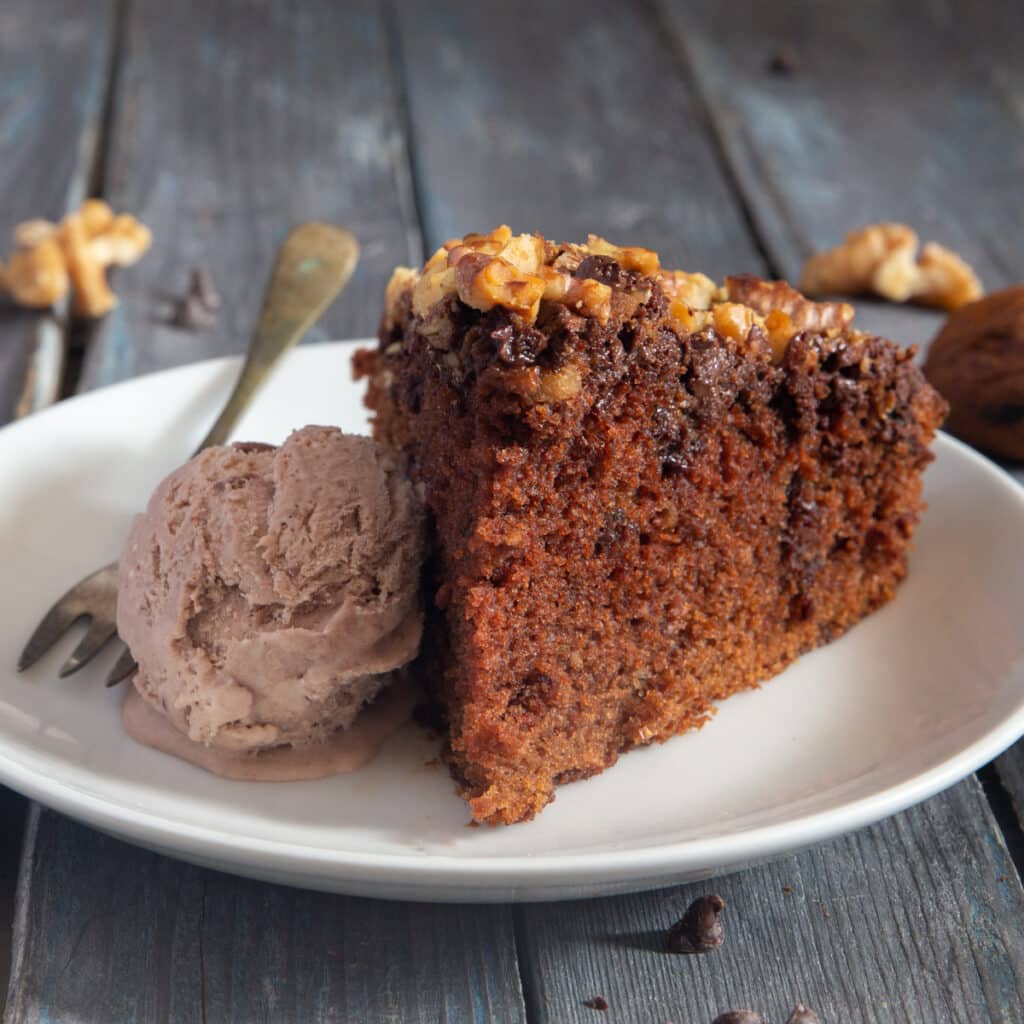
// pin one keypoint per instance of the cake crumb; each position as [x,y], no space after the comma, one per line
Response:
[803,1015]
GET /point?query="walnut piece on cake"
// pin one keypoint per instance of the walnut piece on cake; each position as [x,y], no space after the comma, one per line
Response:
[648,490]
[882,259]
[519,273]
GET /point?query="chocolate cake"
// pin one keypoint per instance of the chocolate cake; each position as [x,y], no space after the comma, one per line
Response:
[649,492]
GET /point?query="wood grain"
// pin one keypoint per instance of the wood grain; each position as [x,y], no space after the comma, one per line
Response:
[908,112]
[914,920]
[12,818]
[564,118]
[54,62]
[114,933]
[233,122]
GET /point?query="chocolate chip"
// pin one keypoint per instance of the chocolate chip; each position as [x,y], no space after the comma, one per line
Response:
[517,345]
[597,1003]
[803,1015]
[191,315]
[739,1017]
[699,930]
[600,268]
[201,285]
[785,62]
[197,308]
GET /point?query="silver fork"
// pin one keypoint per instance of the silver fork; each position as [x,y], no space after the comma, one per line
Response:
[313,265]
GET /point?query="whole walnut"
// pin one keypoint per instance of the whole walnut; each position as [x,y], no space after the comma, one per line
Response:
[977,362]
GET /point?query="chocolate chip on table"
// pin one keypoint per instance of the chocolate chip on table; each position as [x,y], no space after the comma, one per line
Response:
[596,1003]
[803,1015]
[700,929]
[739,1017]
[201,286]
[197,308]
[191,315]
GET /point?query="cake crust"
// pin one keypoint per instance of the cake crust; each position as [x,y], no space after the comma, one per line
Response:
[649,492]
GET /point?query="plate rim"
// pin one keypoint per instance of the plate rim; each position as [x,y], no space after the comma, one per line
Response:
[541,871]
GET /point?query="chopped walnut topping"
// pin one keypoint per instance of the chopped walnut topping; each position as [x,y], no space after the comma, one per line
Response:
[733,320]
[49,257]
[519,272]
[696,290]
[765,297]
[402,280]
[583,295]
[483,282]
[630,257]
[882,259]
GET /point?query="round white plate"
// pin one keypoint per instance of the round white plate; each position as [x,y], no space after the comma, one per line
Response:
[907,703]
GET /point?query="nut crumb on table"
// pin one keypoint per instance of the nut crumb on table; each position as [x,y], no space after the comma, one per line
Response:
[803,1015]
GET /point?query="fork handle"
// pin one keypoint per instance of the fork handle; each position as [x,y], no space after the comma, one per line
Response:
[313,265]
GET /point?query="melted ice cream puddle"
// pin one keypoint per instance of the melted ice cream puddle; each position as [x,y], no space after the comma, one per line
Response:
[346,750]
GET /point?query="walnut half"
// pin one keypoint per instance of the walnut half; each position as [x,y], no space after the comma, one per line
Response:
[882,259]
[49,258]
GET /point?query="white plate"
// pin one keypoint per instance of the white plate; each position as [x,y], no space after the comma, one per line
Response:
[907,703]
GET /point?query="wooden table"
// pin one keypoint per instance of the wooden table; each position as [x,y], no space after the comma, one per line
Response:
[662,124]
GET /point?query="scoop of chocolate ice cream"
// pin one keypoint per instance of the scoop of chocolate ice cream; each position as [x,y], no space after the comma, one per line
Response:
[268,593]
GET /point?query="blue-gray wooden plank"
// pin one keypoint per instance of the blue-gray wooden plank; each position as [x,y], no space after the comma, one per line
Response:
[116,934]
[233,122]
[915,920]
[910,112]
[54,57]
[564,118]
[54,60]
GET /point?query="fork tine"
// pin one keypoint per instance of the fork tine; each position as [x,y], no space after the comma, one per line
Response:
[96,636]
[55,624]
[123,667]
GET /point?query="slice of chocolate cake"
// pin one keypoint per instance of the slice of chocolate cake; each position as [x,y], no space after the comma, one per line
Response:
[649,492]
